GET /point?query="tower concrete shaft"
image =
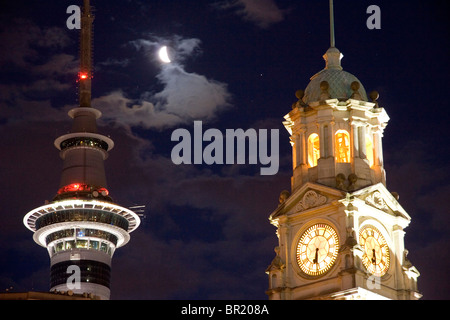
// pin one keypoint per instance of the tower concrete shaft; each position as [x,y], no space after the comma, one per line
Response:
[82,227]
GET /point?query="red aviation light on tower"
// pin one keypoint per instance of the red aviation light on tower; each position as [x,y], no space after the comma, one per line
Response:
[72,188]
[83,76]
[80,187]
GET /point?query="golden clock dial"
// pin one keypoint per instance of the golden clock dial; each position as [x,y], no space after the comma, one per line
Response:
[317,249]
[376,251]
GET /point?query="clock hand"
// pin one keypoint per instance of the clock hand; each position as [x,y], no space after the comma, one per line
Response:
[374,257]
[316,257]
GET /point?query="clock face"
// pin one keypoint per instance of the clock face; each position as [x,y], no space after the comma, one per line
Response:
[317,249]
[376,251]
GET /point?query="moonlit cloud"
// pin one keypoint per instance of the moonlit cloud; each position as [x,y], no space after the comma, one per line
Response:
[262,12]
[186,96]
[182,48]
[125,112]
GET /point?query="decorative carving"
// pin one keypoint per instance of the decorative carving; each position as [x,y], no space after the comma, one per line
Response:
[340,180]
[277,262]
[283,196]
[352,179]
[311,199]
[299,95]
[377,201]
[406,263]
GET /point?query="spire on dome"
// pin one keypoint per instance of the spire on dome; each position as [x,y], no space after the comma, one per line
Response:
[333,56]
[332,38]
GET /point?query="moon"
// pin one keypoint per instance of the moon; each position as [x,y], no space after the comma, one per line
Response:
[164,55]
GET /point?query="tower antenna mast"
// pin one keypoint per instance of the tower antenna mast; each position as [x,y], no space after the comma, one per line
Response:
[332,38]
[86,40]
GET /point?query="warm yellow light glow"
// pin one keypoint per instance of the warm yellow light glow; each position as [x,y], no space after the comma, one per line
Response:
[317,249]
[369,151]
[376,251]
[313,149]
[342,150]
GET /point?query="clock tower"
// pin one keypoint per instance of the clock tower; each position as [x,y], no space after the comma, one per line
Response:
[340,230]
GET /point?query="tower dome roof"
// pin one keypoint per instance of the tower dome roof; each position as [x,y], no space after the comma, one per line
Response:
[334,82]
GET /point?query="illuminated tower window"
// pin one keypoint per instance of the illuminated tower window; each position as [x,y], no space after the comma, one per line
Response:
[313,149]
[342,146]
[369,150]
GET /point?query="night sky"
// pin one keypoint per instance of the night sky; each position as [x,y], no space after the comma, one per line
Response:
[238,64]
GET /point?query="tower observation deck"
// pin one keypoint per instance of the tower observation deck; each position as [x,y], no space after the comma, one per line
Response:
[82,226]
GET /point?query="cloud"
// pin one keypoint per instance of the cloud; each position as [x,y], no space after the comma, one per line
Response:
[22,39]
[180,48]
[189,95]
[263,13]
[59,64]
[36,69]
[126,112]
[115,62]
[185,96]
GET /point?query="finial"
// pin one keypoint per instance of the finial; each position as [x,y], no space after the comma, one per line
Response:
[333,56]
[355,88]
[332,38]
[374,95]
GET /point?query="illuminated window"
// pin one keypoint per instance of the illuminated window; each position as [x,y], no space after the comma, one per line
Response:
[369,151]
[342,146]
[93,245]
[313,149]
[83,244]
[59,246]
[81,233]
[70,244]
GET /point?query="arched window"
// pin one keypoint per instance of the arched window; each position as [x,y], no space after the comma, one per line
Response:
[342,151]
[313,149]
[369,150]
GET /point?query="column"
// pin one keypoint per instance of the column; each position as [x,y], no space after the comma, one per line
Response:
[355,141]
[322,140]
[326,140]
[362,142]
[397,254]
[301,152]
[295,146]
[377,146]
[331,142]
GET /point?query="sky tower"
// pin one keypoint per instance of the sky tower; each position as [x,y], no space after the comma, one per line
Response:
[82,226]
